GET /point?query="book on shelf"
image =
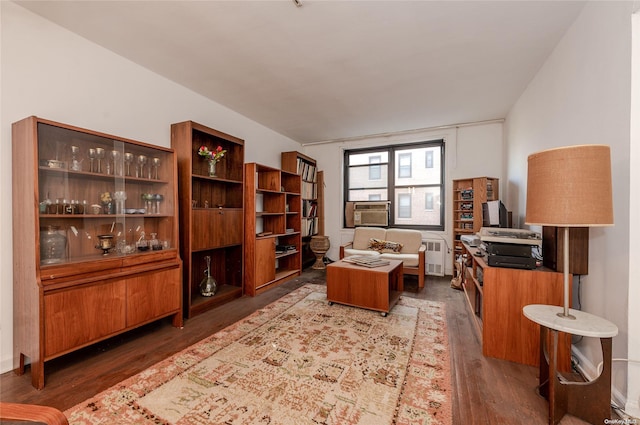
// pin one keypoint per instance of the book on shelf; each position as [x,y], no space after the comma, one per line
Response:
[307,170]
[309,226]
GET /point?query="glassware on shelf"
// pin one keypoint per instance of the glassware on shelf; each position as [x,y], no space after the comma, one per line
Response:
[91,153]
[105,243]
[147,199]
[128,159]
[142,160]
[142,243]
[155,162]
[99,156]
[116,169]
[53,246]
[75,164]
[154,243]
[208,285]
[157,198]
[120,196]
[44,205]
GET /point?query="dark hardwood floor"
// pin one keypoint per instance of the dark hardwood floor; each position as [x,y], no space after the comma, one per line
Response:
[485,390]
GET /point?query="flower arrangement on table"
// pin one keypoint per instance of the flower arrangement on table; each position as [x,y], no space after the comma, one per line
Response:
[212,156]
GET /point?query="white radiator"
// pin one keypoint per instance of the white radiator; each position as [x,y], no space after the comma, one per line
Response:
[434,257]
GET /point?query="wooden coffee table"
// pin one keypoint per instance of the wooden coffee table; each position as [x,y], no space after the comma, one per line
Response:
[376,288]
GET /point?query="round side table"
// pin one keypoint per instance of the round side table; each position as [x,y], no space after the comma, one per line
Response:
[590,401]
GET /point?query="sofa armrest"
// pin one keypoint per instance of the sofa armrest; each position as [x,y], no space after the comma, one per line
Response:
[343,247]
[33,413]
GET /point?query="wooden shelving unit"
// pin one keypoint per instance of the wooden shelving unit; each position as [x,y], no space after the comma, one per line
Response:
[312,192]
[272,223]
[496,296]
[211,214]
[468,196]
[86,269]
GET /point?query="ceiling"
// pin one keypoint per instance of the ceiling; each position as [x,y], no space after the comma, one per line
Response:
[330,70]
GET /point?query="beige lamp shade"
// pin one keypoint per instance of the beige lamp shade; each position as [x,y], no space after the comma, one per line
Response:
[570,187]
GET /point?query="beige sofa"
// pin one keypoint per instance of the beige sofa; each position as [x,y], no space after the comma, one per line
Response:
[395,244]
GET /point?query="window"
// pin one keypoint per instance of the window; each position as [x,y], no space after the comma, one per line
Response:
[374,170]
[428,159]
[404,205]
[404,165]
[396,173]
[428,201]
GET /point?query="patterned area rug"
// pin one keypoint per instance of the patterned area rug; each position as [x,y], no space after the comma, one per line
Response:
[296,361]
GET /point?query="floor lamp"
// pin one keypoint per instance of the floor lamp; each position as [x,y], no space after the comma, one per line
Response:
[571,187]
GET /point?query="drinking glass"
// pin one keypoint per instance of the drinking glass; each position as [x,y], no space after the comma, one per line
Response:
[115,160]
[100,156]
[128,159]
[156,163]
[75,164]
[92,155]
[158,198]
[142,160]
[120,196]
[147,198]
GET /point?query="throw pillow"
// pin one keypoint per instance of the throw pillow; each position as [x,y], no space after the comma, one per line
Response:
[384,246]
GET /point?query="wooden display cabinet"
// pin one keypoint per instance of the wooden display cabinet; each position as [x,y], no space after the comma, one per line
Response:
[211,214]
[86,269]
[272,227]
[312,199]
[468,196]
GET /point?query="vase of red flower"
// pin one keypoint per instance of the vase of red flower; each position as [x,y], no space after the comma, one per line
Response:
[212,168]
[212,157]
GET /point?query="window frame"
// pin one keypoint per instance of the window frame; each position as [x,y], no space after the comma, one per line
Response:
[392,187]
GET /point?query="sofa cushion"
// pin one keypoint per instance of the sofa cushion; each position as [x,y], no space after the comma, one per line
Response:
[384,246]
[348,252]
[410,239]
[362,235]
[408,260]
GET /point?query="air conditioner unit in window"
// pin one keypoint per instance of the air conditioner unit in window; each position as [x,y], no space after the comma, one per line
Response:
[372,213]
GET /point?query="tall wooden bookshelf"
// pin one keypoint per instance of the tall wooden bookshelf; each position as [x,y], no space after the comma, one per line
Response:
[468,196]
[272,224]
[211,214]
[312,191]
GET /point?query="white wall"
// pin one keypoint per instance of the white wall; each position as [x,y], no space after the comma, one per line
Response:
[582,96]
[470,150]
[633,385]
[55,74]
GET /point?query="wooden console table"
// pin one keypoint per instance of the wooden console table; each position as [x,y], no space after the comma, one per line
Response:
[496,296]
[589,401]
[377,288]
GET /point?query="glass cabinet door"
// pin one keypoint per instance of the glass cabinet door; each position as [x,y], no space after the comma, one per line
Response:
[100,197]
